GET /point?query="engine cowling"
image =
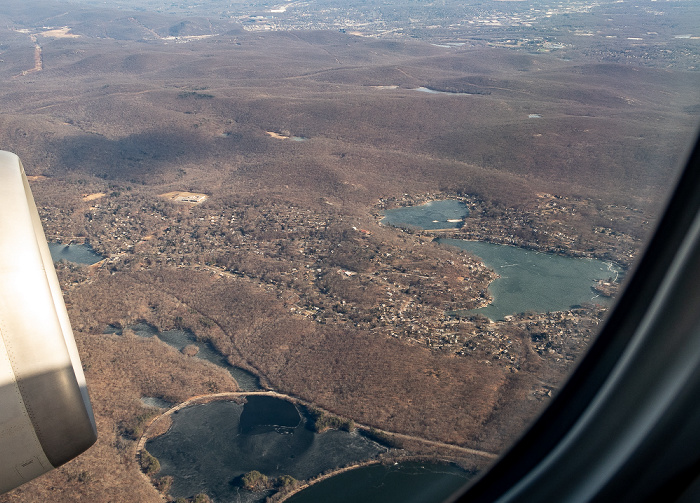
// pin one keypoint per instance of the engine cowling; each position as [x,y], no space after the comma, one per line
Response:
[45,414]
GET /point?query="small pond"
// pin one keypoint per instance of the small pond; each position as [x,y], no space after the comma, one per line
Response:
[447,214]
[158,403]
[78,254]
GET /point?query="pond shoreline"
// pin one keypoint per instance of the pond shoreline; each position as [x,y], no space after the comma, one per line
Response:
[161,424]
[326,476]
[76,253]
[419,216]
[533,281]
[402,459]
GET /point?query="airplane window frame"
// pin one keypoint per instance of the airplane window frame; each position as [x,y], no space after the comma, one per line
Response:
[660,280]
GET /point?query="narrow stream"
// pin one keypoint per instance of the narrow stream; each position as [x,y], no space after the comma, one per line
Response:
[181,338]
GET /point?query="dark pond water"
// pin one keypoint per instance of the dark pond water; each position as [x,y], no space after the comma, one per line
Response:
[447,214]
[410,482]
[181,338]
[78,254]
[209,447]
[534,281]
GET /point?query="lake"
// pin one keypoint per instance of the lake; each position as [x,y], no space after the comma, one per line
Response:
[535,281]
[408,482]
[446,214]
[78,254]
[529,280]
[209,447]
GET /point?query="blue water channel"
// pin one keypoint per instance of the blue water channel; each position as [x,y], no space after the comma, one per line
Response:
[181,338]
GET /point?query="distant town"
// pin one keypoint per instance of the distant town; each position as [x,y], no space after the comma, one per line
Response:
[608,31]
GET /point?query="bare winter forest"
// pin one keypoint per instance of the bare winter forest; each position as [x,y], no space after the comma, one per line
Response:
[300,138]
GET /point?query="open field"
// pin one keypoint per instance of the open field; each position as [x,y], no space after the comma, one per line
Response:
[185,197]
[92,197]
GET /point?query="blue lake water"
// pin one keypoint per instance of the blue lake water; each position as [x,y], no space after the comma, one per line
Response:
[209,447]
[534,281]
[447,214]
[529,280]
[78,254]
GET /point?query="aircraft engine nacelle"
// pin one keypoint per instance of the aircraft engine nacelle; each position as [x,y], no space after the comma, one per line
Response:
[45,414]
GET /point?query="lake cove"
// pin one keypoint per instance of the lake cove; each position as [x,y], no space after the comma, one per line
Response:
[447,214]
[181,338]
[210,447]
[529,280]
[535,281]
[407,482]
[78,254]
